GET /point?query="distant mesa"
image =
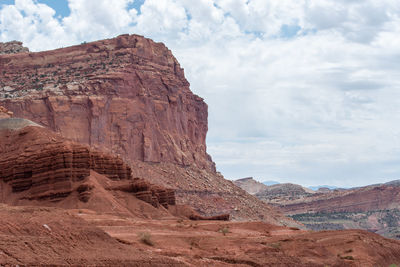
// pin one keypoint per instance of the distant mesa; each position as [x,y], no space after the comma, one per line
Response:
[323,190]
[270,182]
[284,192]
[324,187]
[273,193]
[374,207]
[250,185]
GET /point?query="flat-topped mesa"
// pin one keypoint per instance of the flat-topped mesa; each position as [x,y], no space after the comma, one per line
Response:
[12,47]
[250,185]
[127,94]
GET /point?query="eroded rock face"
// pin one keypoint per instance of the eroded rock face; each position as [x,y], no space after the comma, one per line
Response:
[127,94]
[44,166]
[147,192]
[12,47]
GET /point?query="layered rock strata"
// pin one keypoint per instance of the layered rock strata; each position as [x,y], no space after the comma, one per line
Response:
[147,192]
[365,199]
[45,166]
[127,94]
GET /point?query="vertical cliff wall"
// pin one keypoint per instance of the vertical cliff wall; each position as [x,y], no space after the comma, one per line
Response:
[126,94]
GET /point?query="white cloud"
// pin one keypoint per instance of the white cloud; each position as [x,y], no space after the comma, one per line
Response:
[32,23]
[162,19]
[298,90]
[95,19]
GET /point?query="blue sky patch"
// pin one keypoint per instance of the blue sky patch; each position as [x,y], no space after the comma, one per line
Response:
[7,2]
[289,31]
[60,6]
[136,5]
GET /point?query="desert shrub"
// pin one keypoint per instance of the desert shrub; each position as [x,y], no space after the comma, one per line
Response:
[276,245]
[347,258]
[224,230]
[145,238]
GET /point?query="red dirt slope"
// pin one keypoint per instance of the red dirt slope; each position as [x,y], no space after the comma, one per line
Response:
[33,236]
[211,243]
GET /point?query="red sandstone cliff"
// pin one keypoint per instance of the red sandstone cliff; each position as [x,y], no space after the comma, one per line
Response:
[127,94]
[40,167]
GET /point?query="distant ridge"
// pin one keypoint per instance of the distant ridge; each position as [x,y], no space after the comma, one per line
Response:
[270,182]
[316,187]
[250,185]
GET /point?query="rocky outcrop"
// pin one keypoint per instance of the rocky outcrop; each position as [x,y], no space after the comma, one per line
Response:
[4,113]
[197,217]
[40,165]
[12,47]
[280,193]
[127,94]
[147,192]
[250,185]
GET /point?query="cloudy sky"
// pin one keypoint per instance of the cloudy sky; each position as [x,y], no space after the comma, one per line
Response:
[303,91]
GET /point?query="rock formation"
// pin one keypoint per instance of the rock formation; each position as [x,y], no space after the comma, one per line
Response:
[4,113]
[128,96]
[127,111]
[143,190]
[37,164]
[279,193]
[12,47]
[353,200]
[374,208]
[250,185]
